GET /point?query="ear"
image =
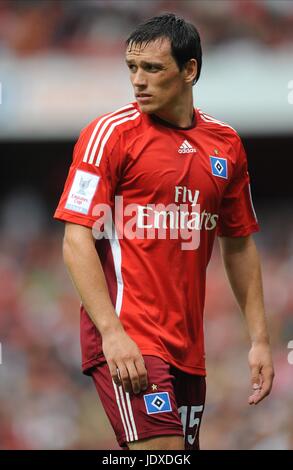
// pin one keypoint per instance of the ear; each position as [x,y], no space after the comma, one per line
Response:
[190,71]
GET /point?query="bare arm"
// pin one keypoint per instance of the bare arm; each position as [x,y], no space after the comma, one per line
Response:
[83,264]
[243,269]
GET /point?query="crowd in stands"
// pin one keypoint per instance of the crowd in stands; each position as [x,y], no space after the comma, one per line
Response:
[87,27]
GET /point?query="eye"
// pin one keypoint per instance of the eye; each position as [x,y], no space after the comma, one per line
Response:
[132,67]
[152,68]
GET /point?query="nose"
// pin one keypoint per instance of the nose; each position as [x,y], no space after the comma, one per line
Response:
[139,79]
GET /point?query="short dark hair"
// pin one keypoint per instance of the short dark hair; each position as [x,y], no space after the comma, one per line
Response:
[183,36]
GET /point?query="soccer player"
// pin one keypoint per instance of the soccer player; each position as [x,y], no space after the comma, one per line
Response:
[170,171]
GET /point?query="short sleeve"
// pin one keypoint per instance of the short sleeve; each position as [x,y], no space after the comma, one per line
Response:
[92,178]
[237,216]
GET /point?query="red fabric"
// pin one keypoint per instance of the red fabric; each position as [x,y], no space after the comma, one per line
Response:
[187,398]
[157,288]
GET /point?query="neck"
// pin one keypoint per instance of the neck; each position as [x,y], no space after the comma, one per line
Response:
[179,115]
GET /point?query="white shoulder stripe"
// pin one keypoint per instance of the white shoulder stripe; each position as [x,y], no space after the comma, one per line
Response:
[207,118]
[128,107]
[105,125]
[115,124]
[210,118]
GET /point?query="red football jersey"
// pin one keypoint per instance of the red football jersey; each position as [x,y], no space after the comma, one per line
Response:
[160,187]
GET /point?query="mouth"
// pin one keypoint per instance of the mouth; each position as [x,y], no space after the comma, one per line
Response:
[143,97]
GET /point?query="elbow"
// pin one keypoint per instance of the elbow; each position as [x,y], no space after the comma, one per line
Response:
[69,246]
[67,250]
[77,242]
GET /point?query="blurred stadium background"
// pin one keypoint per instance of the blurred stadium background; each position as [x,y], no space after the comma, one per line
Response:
[61,65]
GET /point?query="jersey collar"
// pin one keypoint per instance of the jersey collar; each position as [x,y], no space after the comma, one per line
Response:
[172,126]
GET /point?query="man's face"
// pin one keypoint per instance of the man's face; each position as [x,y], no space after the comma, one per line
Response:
[155,76]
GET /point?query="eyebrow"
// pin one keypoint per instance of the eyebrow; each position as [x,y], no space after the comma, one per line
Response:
[144,63]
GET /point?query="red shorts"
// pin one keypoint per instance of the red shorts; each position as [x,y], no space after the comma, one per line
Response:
[172,404]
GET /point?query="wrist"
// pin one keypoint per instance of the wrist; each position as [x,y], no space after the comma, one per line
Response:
[262,340]
[109,328]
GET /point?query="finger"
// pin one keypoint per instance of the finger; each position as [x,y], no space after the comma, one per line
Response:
[255,377]
[261,394]
[256,384]
[267,382]
[142,373]
[254,396]
[124,377]
[114,373]
[133,375]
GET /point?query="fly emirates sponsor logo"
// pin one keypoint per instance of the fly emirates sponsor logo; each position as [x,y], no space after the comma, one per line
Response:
[182,219]
[174,216]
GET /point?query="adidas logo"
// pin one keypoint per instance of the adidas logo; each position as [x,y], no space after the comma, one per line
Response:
[185,147]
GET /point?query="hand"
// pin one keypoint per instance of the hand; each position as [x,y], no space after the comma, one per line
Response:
[262,371]
[125,361]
